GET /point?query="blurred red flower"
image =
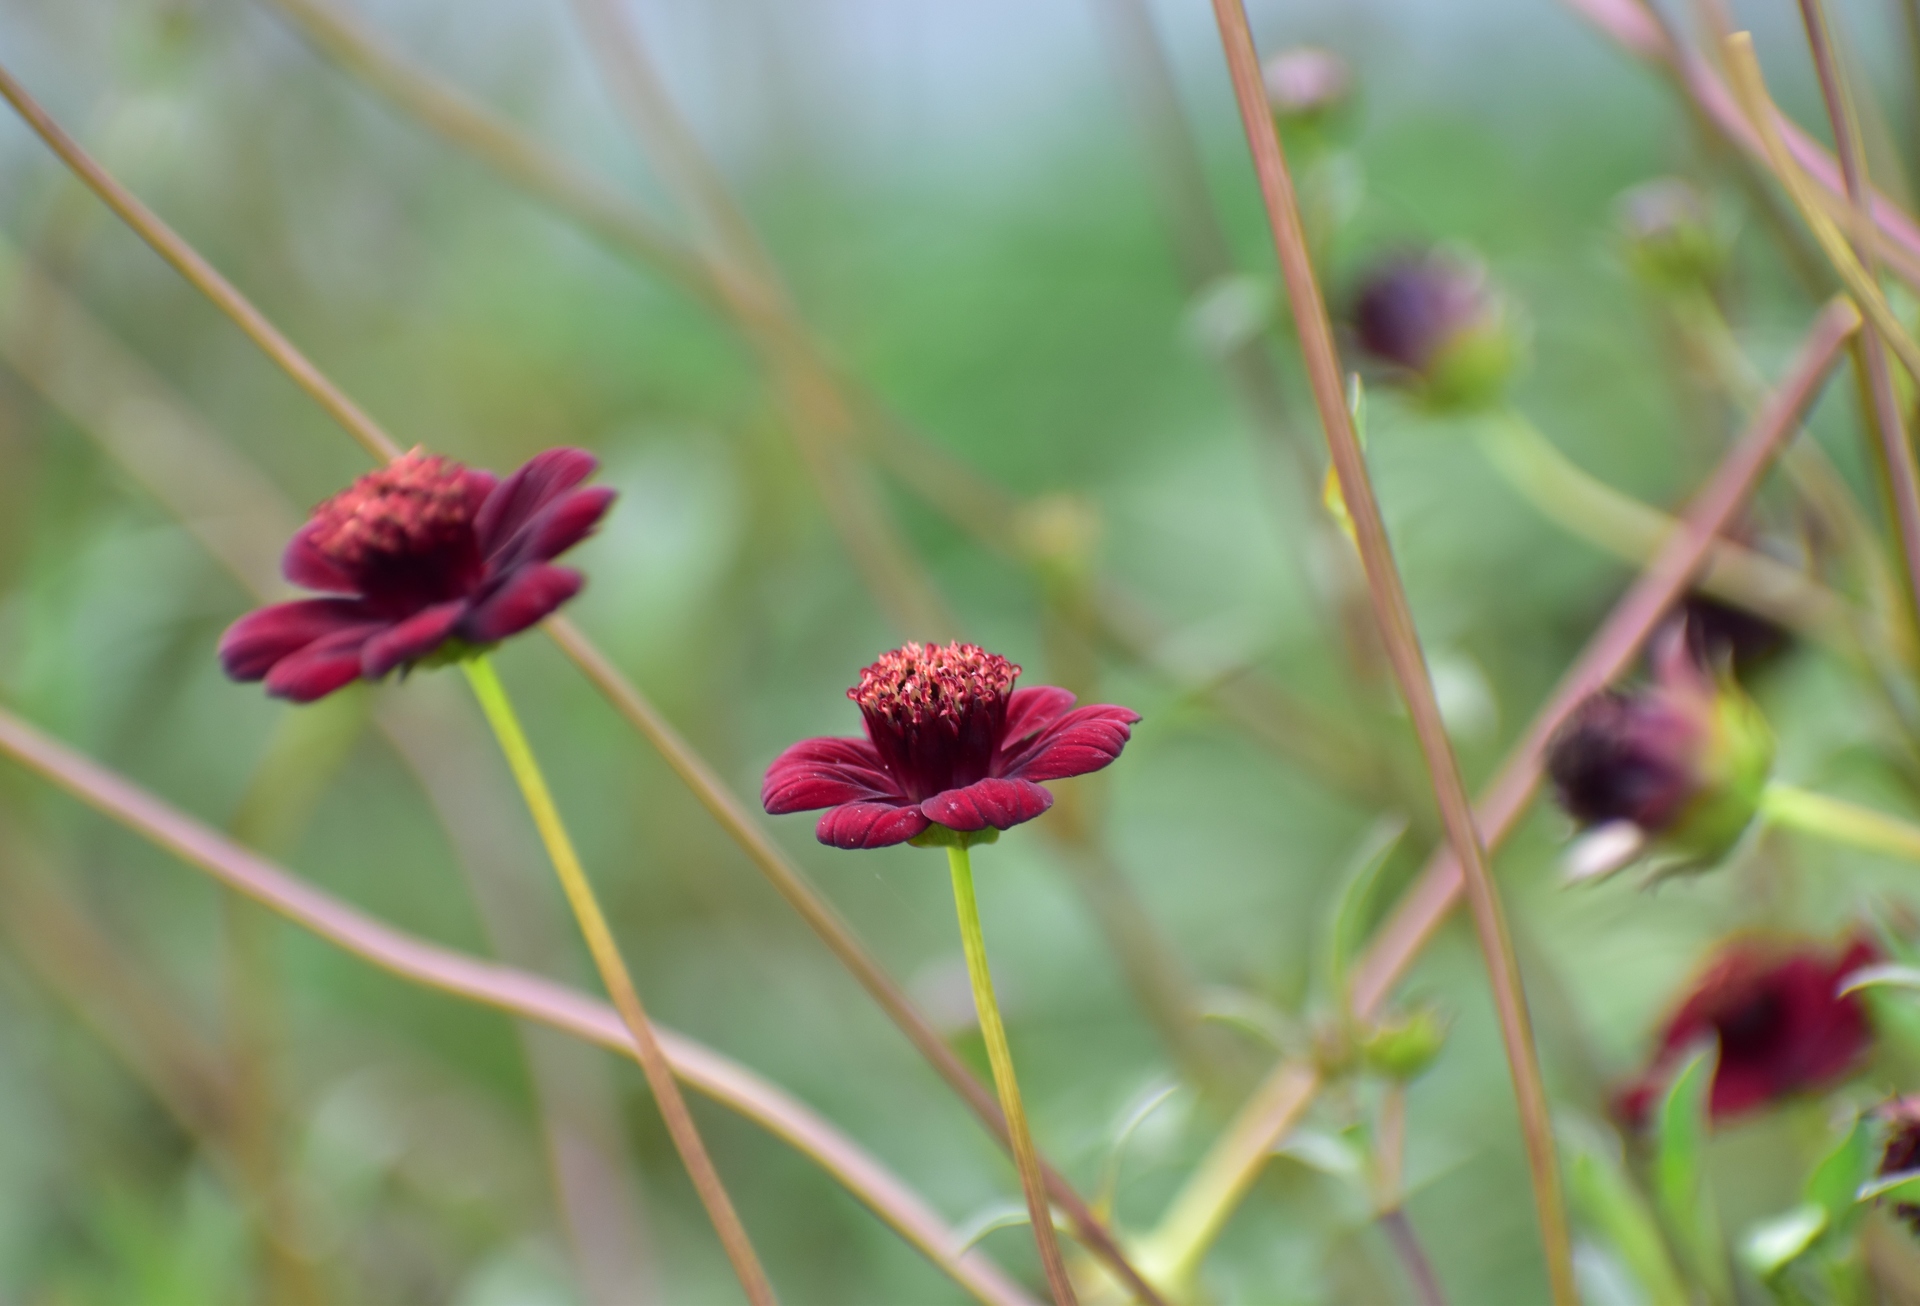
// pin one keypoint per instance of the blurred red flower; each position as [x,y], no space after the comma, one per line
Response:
[1783,1028]
[426,557]
[949,742]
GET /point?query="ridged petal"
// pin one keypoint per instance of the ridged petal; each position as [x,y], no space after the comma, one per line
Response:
[1029,711]
[817,773]
[327,664]
[307,567]
[555,528]
[1083,740]
[410,640]
[516,500]
[253,644]
[525,597]
[998,803]
[869,825]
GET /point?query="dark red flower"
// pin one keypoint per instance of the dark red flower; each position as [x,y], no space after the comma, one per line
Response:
[1901,1117]
[426,556]
[1782,1025]
[949,742]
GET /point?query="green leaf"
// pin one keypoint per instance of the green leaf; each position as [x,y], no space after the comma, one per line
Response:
[1143,1106]
[1834,1185]
[1328,1153]
[1679,1173]
[1613,1212]
[1347,925]
[1772,1245]
[1901,1187]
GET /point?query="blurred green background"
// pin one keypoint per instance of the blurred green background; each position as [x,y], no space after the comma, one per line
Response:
[961,204]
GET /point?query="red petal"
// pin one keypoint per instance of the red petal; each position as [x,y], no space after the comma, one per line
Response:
[253,644]
[818,773]
[410,640]
[526,596]
[1029,711]
[320,668]
[1083,740]
[998,803]
[556,528]
[306,566]
[515,500]
[869,825]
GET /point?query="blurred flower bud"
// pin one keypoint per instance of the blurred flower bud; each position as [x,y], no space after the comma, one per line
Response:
[1684,760]
[1439,327]
[1306,85]
[1671,240]
[1060,534]
[1401,1047]
[1901,1119]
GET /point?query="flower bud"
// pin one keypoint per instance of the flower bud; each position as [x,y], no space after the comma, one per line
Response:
[1306,85]
[1440,329]
[1670,236]
[1901,1152]
[1683,760]
[1402,1047]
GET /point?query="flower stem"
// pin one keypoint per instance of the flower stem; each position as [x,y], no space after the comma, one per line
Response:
[1402,641]
[613,973]
[1000,1056]
[1840,821]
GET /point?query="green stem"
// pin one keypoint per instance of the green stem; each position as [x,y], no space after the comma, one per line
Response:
[613,973]
[1000,1057]
[1840,821]
[1619,524]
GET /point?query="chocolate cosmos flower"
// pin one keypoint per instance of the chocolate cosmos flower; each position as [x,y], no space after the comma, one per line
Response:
[426,557]
[949,742]
[1782,1025]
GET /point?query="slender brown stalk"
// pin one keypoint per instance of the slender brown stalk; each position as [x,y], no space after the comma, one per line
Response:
[822,419]
[1629,24]
[1611,649]
[515,992]
[199,273]
[993,516]
[234,531]
[1413,1257]
[791,883]
[1896,458]
[1215,1188]
[1205,260]
[240,518]
[605,951]
[525,161]
[1402,640]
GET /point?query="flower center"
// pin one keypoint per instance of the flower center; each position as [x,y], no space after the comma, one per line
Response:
[936,712]
[405,531]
